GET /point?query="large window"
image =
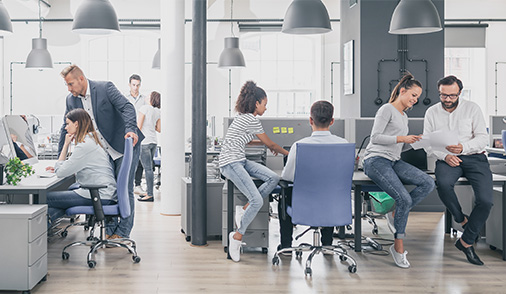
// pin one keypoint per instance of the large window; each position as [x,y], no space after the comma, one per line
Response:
[287,67]
[468,64]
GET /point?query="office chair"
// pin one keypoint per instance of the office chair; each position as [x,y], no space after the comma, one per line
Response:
[99,212]
[321,196]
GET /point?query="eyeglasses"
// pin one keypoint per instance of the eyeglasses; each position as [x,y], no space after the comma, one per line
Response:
[451,96]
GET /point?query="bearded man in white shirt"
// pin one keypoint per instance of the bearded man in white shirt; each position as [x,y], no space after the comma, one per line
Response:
[466,159]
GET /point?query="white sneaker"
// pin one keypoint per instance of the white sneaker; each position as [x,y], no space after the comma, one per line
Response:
[234,247]
[400,259]
[390,221]
[239,213]
[139,191]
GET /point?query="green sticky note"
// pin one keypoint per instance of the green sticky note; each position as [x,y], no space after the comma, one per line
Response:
[290,130]
[275,130]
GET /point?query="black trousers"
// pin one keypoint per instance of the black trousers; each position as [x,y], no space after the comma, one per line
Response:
[286,226]
[476,169]
[138,174]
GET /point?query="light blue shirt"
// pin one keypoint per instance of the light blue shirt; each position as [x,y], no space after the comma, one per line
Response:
[90,163]
[317,137]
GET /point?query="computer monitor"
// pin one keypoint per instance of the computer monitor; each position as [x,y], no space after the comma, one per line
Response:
[6,146]
[20,133]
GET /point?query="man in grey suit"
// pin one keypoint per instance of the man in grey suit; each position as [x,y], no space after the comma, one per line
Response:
[114,120]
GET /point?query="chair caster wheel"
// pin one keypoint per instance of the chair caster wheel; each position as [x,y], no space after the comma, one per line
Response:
[352,269]
[264,250]
[342,258]
[298,254]
[188,238]
[375,231]
[308,271]
[86,228]
[92,263]
[492,247]
[64,234]
[348,227]
[275,260]
[65,255]
[136,259]
[225,249]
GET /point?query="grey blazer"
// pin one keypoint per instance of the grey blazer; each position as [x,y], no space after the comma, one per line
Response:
[114,114]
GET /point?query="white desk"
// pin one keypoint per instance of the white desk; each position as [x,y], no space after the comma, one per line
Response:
[37,186]
[360,180]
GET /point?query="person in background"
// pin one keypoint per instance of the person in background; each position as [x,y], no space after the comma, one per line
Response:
[321,119]
[88,161]
[466,159]
[383,164]
[114,120]
[233,164]
[138,100]
[149,123]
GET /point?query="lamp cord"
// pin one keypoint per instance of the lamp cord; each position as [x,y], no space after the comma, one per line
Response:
[232,17]
[40,23]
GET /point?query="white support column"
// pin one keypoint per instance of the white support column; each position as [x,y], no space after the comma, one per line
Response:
[172,108]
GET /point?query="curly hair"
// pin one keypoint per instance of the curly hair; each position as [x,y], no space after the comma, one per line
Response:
[248,97]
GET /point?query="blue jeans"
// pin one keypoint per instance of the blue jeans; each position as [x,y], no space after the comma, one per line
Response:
[240,174]
[59,201]
[147,154]
[476,169]
[124,226]
[391,176]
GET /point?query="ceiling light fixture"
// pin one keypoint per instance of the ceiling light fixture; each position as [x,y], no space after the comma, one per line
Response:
[5,20]
[231,56]
[304,17]
[415,17]
[95,17]
[39,57]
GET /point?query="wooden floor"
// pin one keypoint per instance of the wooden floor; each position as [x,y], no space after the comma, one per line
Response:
[170,265]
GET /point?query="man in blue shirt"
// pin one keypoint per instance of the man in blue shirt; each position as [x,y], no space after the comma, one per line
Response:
[320,121]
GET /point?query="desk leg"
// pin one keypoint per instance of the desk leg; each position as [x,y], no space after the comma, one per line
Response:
[230,211]
[448,221]
[358,218]
[503,221]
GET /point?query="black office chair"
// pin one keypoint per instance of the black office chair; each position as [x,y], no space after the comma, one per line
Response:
[321,197]
[99,212]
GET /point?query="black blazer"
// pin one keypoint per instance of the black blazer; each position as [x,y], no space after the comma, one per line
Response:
[114,114]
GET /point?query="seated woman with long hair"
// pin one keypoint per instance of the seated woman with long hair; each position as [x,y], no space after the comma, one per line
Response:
[88,161]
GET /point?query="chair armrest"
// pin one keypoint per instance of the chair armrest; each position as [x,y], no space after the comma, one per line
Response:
[285,185]
[95,198]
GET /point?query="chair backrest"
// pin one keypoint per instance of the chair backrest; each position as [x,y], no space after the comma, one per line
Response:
[322,184]
[504,139]
[122,179]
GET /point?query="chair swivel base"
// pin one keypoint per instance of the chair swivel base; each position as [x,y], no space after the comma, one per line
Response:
[95,245]
[304,247]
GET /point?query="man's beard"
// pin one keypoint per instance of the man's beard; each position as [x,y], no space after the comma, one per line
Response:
[451,105]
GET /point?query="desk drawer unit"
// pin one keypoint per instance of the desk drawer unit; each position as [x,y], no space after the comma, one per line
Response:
[23,230]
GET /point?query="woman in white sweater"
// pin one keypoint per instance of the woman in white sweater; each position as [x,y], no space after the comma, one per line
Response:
[383,164]
[88,161]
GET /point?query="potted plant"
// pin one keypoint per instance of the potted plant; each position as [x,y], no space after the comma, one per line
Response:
[15,170]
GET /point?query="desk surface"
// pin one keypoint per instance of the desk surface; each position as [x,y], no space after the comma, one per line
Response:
[359,178]
[496,150]
[34,181]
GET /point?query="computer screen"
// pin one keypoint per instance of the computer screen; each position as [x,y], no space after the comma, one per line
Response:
[21,137]
[6,146]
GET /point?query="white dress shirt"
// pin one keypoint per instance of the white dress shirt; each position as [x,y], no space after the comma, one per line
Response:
[467,120]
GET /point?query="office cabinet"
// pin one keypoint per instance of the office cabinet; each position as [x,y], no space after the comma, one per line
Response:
[494,227]
[257,234]
[23,257]
[214,188]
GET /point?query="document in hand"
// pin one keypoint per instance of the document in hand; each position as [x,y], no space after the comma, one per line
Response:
[437,141]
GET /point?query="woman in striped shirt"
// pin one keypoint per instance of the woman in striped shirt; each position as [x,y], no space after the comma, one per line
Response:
[246,126]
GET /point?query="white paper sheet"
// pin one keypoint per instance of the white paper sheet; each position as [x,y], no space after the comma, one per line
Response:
[437,140]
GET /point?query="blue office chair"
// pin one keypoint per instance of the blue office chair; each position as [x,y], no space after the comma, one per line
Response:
[503,133]
[99,212]
[321,196]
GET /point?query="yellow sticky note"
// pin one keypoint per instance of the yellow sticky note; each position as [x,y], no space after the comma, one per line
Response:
[283,130]
[275,130]
[290,130]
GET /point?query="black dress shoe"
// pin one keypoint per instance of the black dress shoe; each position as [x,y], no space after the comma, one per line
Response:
[469,252]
